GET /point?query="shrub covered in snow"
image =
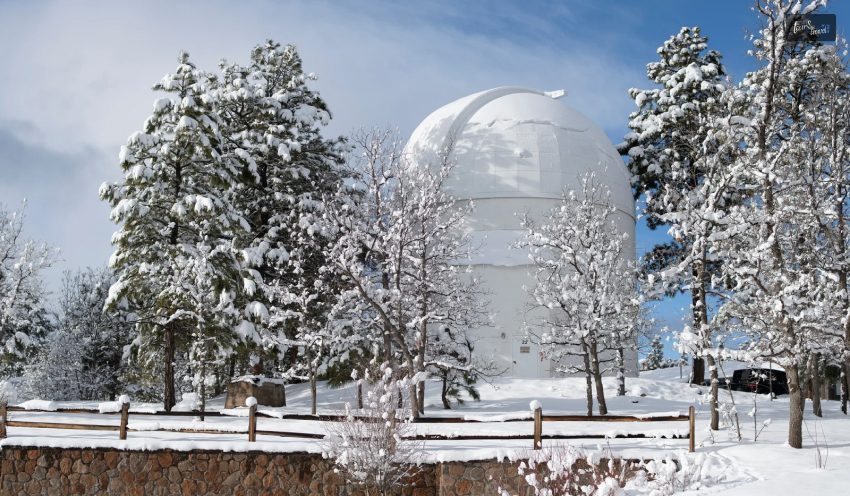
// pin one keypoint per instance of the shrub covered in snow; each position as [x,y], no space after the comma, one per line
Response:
[8,392]
[189,403]
[368,448]
[562,469]
[666,476]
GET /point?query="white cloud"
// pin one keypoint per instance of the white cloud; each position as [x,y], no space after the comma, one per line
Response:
[80,74]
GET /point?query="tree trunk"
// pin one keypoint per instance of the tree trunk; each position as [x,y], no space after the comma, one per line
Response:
[359,395]
[446,404]
[414,401]
[701,320]
[845,385]
[698,371]
[388,339]
[414,397]
[203,388]
[293,356]
[597,378]
[815,385]
[698,304]
[312,391]
[588,377]
[312,376]
[169,399]
[232,367]
[795,422]
[621,372]
[423,335]
[712,372]
[803,383]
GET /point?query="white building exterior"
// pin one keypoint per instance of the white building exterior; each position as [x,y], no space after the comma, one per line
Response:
[516,149]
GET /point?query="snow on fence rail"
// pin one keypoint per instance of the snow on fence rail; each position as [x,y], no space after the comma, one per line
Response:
[537,417]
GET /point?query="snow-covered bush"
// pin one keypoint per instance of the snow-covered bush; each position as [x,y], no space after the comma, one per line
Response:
[189,403]
[562,469]
[666,476]
[8,392]
[368,448]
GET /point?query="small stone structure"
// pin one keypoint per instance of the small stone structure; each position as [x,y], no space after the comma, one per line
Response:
[268,392]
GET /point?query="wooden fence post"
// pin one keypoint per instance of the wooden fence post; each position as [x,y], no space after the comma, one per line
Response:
[252,423]
[538,428]
[2,420]
[691,435]
[125,415]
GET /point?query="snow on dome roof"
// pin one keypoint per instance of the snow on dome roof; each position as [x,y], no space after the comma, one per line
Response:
[519,143]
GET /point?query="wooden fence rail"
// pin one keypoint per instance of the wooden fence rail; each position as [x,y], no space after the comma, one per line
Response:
[538,418]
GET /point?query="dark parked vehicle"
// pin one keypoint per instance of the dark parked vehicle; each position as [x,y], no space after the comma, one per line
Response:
[761,381]
[721,382]
[755,381]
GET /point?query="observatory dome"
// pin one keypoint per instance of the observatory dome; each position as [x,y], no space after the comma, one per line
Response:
[514,142]
[516,149]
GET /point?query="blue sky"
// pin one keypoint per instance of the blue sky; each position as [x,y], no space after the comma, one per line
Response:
[77,76]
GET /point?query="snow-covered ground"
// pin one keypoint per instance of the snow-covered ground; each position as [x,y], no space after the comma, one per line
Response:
[765,467]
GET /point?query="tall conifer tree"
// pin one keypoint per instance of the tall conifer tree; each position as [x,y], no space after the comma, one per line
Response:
[170,206]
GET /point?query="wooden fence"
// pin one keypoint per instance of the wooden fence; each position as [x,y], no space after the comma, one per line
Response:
[538,419]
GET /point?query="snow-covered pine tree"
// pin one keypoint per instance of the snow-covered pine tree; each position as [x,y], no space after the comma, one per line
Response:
[455,366]
[171,205]
[583,281]
[208,294]
[655,357]
[81,357]
[272,123]
[667,155]
[23,315]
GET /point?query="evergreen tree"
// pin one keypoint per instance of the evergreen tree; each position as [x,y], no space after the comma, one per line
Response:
[272,122]
[172,207]
[655,357]
[665,158]
[455,366]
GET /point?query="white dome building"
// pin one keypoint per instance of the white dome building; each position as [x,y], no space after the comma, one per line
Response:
[516,150]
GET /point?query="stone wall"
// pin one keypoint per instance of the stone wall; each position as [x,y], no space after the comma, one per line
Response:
[474,478]
[48,471]
[27,471]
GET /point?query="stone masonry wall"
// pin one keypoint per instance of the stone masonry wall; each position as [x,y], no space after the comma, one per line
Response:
[29,471]
[54,472]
